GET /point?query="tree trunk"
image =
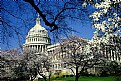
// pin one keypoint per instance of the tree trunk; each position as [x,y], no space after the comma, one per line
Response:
[44,77]
[32,78]
[49,76]
[77,76]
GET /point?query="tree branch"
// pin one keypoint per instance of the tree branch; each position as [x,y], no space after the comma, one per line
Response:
[55,27]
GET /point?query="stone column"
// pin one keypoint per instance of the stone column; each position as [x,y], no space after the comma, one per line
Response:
[42,48]
[32,47]
[37,48]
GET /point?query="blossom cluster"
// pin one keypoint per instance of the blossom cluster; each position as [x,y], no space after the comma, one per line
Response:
[106,21]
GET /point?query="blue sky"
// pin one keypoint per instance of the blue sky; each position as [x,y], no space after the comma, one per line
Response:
[84,28]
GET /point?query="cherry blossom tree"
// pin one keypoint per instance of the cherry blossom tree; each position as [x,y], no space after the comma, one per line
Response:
[8,61]
[107,22]
[29,65]
[79,56]
[36,64]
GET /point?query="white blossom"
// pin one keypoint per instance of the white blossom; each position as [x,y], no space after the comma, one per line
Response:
[105,11]
[115,14]
[106,25]
[109,19]
[105,5]
[84,4]
[118,18]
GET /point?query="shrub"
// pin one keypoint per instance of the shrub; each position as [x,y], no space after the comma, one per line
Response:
[104,74]
[71,75]
[118,79]
[93,75]
[61,74]
[84,74]
[54,76]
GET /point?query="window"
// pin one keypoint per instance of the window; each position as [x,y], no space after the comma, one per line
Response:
[64,65]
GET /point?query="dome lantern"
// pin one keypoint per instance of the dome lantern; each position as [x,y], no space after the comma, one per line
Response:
[38,19]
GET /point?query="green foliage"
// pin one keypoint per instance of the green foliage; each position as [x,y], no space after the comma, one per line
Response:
[54,75]
[83,78]
[59,75]
[35,80]
[84,73]
[115,68]
[118,79]
[111,68]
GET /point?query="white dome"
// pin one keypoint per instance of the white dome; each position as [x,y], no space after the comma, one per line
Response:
[38,29]
[37,35]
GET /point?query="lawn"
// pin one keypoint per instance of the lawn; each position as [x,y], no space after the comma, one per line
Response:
[87,79]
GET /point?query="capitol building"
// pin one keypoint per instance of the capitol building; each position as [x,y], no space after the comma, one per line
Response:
[39,40]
